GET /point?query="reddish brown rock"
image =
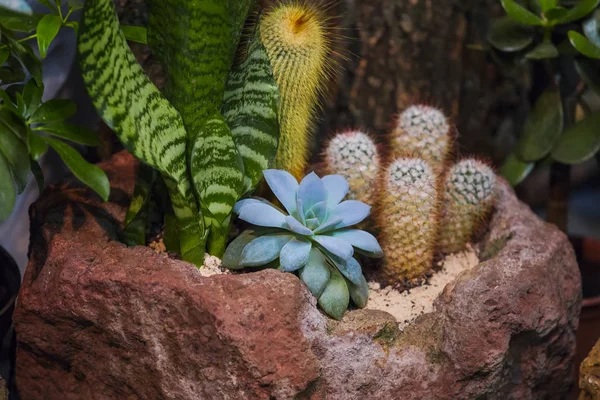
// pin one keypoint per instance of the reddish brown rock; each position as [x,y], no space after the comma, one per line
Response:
[96,319]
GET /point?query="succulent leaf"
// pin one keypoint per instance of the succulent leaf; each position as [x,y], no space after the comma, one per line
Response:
[263,250]
[311,191]
[284,186]
[338,247]
[335,298]
[359,293]
[361,240]
[263,215]
[337,188]
[295,254]
[295,226]
[233,255]
[315,274]
[351,211]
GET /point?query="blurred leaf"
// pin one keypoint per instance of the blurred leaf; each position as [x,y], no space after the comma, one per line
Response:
[49,4]
[556,14]
[515,170]
[20,103]
[75,5]
[589,72]
[88,173]
[144,181]
[72,132]
[566,48]
[31,62]
[37,174]
[53,111]
[583,45]
[579,142]
[508,35]
[543,126]
[19,6]
[4,54]
[74,25]
[520,14]
[47,29]
[13,123]
[15,152]
[6,101]
[36,144]
[8,195]
[591,28]
[543,50]
[581,9]
[19,22]
[11,72]
[32,96]
[547,4]
[137,34]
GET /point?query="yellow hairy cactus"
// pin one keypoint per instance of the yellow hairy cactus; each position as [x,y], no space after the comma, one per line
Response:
[407,216]
[469,197]
[423,131]
[355,156]
[297,39]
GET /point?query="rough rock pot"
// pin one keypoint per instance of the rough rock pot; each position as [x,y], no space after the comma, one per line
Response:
[96,319]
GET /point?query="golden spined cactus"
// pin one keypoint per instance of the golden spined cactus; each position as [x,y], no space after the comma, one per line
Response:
[423,131]
[355,156]
[407,215]
[469,196]
[297,38]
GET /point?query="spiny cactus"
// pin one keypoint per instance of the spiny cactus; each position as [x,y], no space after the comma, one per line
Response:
[425,132]
[296,37]
[354,155]
[407,216]
[468,200]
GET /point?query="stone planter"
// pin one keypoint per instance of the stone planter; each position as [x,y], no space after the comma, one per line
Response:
[96,319]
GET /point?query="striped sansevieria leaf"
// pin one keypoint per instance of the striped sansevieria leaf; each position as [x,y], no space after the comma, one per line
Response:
[250,109]
[147,124]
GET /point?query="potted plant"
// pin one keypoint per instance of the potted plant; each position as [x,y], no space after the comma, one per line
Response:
[117,321]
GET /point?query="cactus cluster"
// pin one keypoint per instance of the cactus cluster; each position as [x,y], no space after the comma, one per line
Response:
[423,203]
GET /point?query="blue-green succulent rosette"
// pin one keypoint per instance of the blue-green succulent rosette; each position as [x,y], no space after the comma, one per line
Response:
[312,236]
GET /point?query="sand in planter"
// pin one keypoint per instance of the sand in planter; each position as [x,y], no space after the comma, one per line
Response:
[408,305]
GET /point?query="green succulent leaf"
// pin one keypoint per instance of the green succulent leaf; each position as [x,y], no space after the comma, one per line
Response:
[547,4]
[581,9]
[591,28]
[316,273]
[89,174]
[542,128]
[47,29]
[72,132]
[555,14]
[335,298]
[14,149]
[584,45]
[508,35]
[589,72]
[515,170]
[579,142]
[250,109]
[263,250]
[542,51]
[520,14]
[137,34]
[359,294]
[54,110]
[233,254]
[8,196]
[32,97]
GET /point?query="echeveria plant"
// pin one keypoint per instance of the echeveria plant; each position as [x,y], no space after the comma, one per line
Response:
[313,236]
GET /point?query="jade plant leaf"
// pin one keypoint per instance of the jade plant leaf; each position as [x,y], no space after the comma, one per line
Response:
[520,14]
[508,35]
[250,108]
[542,128]
[515,170]
[556,14]
[584,45]
[543,50]
[580,10]
[8,195]
[579,142]
[547,4]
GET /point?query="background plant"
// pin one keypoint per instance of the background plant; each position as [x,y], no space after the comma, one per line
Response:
[29,126]
[562,40]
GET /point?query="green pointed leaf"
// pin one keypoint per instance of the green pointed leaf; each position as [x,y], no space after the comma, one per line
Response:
[591,28]
[581,9]
[520,14]
[250,109]
[88,173]
[547,4]
[4,54]
[19,22]
[542,128]
[579,142]
[20,103]
[589,72]
[8,195]
[36,170]
[75,5]
[137,34]
[54,110]
[47,29]
[515,170]
[542,51]
[583,45]
[32,97]
[29,60]
[72,132]
[11,72]
[556,14]
[508,35]
[335,298]
[14,149]
[6,101]
[13,123]
[36,145]
[48,3]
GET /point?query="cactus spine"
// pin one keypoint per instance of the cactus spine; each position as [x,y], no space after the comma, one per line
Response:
[354,155]
[408,219]
[295,37]
[425,132]
[468,199]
